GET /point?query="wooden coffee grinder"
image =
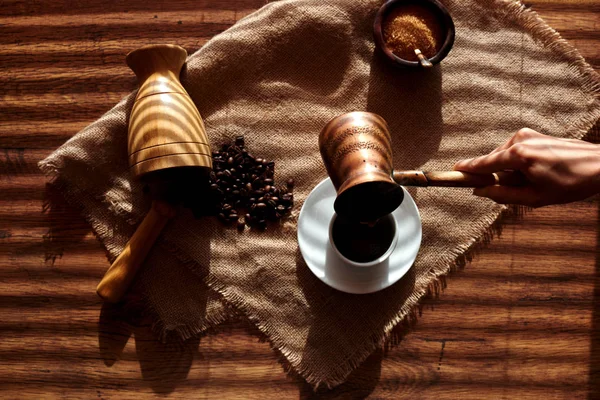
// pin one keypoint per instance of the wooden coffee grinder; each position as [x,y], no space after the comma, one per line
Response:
[168,151]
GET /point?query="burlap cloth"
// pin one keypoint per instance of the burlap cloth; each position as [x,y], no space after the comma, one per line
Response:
[277,77]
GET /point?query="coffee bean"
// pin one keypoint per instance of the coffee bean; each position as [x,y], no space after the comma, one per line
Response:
[234,149]
[290,184]
[241,181]
[256,183]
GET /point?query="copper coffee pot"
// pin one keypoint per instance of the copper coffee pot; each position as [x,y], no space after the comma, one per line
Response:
[357,151]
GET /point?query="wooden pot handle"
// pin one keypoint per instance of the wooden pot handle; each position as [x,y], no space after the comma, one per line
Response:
[458,178]
[119,276]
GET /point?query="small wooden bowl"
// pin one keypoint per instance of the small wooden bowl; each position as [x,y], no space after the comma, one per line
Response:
[436,7]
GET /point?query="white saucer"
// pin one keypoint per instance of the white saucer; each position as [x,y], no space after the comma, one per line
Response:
[323,261]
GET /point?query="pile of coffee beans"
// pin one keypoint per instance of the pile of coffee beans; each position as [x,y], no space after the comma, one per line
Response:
[243,190]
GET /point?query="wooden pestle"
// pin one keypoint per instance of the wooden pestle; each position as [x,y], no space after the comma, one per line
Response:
[120,275]
[168,150]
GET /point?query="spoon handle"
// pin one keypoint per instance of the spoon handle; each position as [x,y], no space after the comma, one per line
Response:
[425,63]
[458,178]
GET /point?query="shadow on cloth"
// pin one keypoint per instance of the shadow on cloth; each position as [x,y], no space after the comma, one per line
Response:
[291,60]
[411,103]
[339,317]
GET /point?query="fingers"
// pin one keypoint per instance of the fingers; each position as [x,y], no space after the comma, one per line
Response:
[471,165]
[526,196]
[520,136]
[494,162]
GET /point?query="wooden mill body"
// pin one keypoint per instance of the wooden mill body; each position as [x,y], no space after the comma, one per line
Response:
[166,132]
[165,127]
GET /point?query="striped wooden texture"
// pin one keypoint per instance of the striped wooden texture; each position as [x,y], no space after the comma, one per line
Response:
[521,321]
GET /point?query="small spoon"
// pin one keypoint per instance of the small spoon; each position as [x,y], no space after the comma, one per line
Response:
[425,63]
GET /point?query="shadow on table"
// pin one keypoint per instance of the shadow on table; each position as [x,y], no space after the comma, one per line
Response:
[164,366]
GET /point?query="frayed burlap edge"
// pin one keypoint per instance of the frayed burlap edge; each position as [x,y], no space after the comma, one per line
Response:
[68,192]
[548,37]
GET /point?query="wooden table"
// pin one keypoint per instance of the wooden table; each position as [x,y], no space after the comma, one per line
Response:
[521,321]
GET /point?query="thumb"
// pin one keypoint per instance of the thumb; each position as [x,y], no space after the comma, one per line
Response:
[526,196]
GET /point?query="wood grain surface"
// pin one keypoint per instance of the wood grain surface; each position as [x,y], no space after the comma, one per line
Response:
[521,321]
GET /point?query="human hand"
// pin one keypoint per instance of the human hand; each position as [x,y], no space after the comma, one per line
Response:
[558,170]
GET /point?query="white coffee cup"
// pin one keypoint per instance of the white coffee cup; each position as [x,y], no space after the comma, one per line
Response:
[380,258]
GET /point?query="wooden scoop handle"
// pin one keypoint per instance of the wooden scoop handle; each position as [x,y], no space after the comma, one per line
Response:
[119,276]
[458,178]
